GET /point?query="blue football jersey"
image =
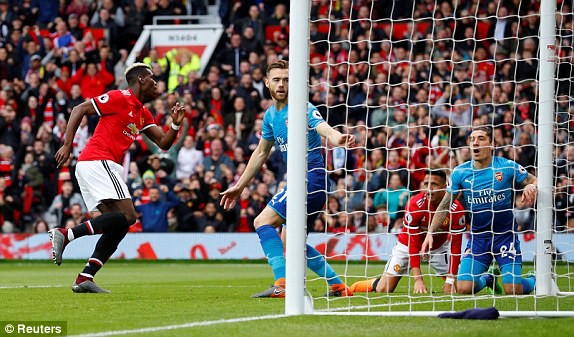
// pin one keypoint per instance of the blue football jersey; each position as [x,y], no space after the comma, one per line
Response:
[275,125]
[488,193]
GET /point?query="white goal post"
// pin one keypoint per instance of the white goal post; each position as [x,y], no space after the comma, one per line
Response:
[548,300]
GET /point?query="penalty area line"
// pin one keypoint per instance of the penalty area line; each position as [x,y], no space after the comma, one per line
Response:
[178,326]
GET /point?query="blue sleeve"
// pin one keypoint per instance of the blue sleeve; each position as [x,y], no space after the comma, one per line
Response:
[520,172]
[454,182]
[267,129]
[315,117]
[172,200]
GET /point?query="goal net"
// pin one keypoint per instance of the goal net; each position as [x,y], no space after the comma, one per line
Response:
[409,79]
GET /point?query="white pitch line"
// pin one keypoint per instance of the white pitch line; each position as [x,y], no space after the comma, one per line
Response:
[178,326]
[31,286]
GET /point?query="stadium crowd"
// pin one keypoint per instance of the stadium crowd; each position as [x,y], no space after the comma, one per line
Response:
[408,79]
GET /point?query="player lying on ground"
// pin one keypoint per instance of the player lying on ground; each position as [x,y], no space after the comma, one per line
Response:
[486,183]
[99,171]
[274,214]
[419,212]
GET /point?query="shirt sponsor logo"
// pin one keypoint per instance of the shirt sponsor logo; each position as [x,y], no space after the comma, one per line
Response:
[485,197]
[282,144]
[134,131]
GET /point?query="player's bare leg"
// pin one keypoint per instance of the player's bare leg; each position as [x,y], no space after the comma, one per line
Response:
[387,284]
[465,287]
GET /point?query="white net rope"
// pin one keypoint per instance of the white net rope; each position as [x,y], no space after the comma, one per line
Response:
[409,79]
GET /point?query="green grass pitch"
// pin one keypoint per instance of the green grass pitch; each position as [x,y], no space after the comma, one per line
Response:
[184,294]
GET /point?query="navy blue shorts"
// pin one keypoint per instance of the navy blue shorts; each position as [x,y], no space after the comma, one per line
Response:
[316,197]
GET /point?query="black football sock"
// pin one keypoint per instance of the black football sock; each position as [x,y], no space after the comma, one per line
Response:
[375,283]
[105,248]
[104,223]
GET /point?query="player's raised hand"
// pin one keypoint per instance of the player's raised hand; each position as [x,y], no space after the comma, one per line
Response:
[426,247]
[229,196]
[63,154]
[177,113]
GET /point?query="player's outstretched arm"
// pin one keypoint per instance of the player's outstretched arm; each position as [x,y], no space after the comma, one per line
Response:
[258,158]
[530,190]
[440,215]
[78,112]
[335,137]
[165,140]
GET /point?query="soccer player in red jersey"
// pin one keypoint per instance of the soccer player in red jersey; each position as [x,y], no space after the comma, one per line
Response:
[419,212]
[122,117]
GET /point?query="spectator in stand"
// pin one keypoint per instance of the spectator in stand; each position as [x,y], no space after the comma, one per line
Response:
[230,57]
[62,203]
[8,204]
[47,11]
[211,221]
[116,13]
[170,156]
[246,90]
[153,214]
[119,69]
[149,180]
[105,21]
[137,15]
[187,207]
[217,158]
[41,226]
[244,214]
[240,118]
[9,127]
[77,214]
[188,158]
[253,20]
[77,8]
[62,39]
[395,197]
[249,41]
[93,79]
[180,63]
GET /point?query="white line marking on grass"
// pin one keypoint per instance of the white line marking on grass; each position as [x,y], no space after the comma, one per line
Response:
[31,286]
[178,326]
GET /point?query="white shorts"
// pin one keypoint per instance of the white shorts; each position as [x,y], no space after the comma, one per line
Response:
[399,263]
[101,180]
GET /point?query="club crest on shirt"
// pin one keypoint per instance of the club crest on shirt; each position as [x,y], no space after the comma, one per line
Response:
[133,128]
[498,176]
[397,268]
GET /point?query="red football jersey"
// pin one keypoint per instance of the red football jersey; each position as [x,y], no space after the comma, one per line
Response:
[122,118]
[418,216]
